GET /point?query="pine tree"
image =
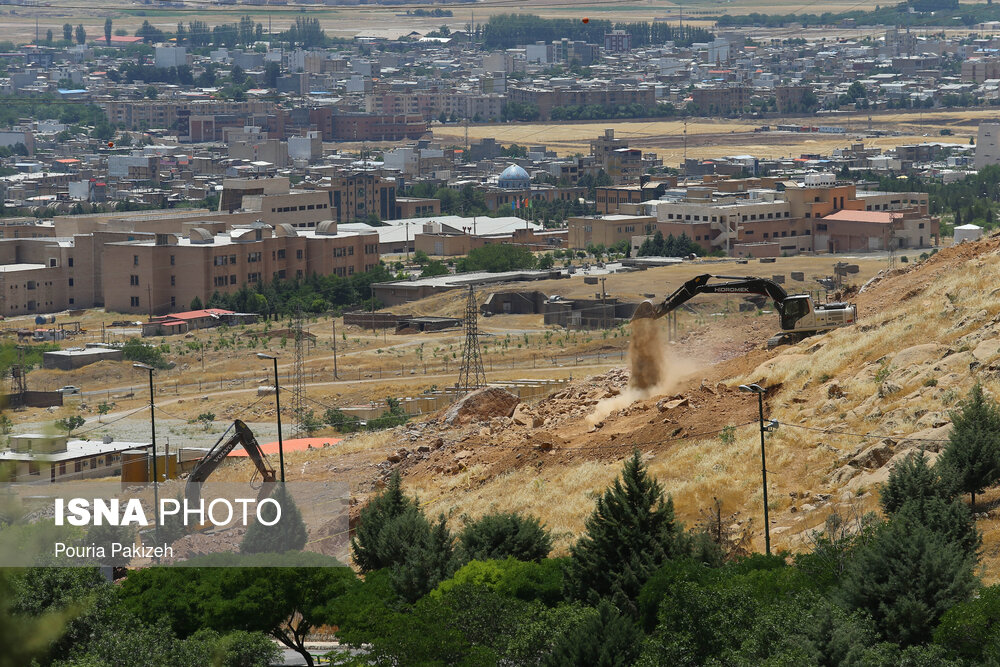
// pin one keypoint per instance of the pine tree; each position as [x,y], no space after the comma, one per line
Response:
[428,556]
[499,536]
[907,577]
[604,639]
[971,459]
[368,547]
[911,479]
[631,533]
[288,534]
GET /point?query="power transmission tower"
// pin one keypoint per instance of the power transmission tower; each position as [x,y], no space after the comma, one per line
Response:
[471,376]
[298,379]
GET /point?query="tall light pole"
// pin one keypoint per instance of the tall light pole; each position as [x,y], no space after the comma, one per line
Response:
[277,402]
[757,389]
[152,427]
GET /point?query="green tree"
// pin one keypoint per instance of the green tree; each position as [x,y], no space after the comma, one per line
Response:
[971,630]
[288,534]
[496,258]
[67,32]
[151,92]
[546,261]
[630,534]
[70,424]
[911,479]
[428,555]
[48,36]
[434,268]
[502,535]
[604,638]
[81,35]
[196,304]
[907,576]
[368,546]
[420,257]
[107,31]
[971,459]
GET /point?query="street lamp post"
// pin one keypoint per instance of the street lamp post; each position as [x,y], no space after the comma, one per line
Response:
[757,389]
[152,427]
[277,402]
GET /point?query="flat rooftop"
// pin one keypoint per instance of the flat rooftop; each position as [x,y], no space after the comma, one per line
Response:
[75,449]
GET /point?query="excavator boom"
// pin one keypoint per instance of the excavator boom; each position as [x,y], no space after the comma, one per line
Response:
[701,285]
[241,435]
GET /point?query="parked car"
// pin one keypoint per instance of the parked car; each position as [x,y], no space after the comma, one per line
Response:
[69,389]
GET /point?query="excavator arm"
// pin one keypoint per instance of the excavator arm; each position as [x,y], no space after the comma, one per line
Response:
[701,285]
[241,435]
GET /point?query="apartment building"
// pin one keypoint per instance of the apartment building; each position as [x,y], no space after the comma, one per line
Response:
[355,196]
[164,274]
[608,230]
[723,100]
[603,94]
[140,114]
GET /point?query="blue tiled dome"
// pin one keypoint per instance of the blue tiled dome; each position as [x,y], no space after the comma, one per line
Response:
[514,177]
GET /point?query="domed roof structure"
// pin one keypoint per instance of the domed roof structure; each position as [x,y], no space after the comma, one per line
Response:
[515,178]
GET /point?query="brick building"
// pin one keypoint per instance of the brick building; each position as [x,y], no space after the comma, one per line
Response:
[607,95]
[166,273]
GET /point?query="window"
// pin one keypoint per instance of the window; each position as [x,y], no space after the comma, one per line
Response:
[31,284]
[173,281]
[52,262]
[281,254]
[135,260]
[298,254]
[172,261]
[821,226]
[232,259]
[70,282]
[298,273]
[69,261]
[134,301]
[350,250]
[253,277]
[809,215]
[765,235]
[232,279]
[72,301]
[133,280]
[173,301]
[920,226]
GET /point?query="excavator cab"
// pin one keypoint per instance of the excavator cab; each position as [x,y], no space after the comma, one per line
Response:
[793,310]
[241,435]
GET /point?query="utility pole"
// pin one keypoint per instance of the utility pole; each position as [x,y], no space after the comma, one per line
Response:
[333,323]
[149,297]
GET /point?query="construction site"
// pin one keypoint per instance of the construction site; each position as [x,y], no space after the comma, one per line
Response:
[858,366]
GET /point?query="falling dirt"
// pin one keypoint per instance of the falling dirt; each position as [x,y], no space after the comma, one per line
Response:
[646,354]
[652,371]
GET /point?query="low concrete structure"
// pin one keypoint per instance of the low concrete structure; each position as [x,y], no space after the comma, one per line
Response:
[77,357]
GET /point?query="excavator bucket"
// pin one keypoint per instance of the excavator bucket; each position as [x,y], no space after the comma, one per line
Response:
[645,310]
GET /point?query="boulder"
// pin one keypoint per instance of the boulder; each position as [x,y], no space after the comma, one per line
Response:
[481,405]
[873,457]
[987,350]
[918,355]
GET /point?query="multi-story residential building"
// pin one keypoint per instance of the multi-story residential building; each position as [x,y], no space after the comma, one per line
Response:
[141,114]
[724,100]
[163,274]
[601,94]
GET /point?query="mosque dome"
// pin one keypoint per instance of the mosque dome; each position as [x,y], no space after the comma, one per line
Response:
[515,178]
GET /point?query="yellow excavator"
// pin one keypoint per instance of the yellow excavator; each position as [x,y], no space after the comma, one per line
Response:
[800,317]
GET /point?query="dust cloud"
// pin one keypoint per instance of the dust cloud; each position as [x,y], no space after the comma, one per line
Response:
[653,371]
